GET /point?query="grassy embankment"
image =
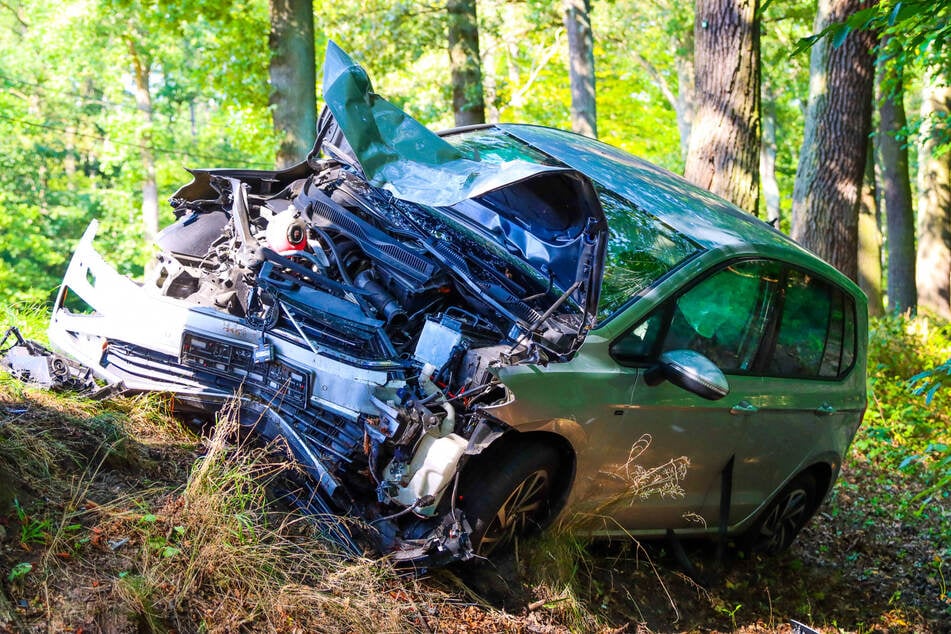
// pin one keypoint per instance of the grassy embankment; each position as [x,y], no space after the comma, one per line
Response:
[115,516]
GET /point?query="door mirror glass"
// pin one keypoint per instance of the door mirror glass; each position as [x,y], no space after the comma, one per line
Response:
[691,371]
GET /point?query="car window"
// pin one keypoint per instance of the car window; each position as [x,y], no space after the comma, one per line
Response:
[494,146]
[640,251]
[816,335]
[723,317]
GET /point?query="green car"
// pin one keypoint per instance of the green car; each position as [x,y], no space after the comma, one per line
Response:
[468,336]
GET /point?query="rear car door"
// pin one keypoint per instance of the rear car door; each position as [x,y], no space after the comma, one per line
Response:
[810,400]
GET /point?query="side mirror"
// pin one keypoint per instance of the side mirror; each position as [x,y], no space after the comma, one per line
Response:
[691,371]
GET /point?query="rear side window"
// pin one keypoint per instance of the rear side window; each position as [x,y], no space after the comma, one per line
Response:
[816,334]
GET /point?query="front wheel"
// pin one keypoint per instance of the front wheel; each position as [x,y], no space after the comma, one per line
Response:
[784,517]
[510,496]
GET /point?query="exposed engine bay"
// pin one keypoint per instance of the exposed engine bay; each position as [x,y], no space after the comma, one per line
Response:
[364,329]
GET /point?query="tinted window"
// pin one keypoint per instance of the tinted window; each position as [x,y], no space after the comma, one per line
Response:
[724,316]
[816,335]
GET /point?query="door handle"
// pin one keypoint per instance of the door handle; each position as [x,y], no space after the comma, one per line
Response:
[744,407]
[825,409]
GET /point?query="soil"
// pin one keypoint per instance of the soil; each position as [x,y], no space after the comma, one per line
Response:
[854,568]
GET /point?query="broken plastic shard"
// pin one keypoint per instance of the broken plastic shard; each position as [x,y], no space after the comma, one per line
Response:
[399,153]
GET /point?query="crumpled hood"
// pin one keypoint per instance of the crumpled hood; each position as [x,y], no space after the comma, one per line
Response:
[399,153]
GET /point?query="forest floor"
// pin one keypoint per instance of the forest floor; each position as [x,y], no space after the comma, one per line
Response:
[116,518]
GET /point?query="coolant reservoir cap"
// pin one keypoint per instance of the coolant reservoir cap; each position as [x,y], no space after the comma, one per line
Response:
[287,231]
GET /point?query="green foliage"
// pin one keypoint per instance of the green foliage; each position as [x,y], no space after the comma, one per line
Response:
[906,436]
[20,570]
[72,135]
[929,381]
[33,530]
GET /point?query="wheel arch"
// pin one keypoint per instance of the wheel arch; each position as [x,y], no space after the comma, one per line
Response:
[824,475]
[513,441]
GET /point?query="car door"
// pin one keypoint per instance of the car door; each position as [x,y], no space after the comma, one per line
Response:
[688,440]
[809,401]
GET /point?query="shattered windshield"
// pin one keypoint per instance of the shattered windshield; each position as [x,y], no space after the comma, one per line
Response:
[641,249]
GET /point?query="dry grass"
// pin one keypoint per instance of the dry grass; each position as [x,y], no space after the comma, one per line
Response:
[218,556]
[134,540]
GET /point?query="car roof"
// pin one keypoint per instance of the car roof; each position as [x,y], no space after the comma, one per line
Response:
[704,217]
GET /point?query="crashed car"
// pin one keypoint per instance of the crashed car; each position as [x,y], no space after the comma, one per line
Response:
[462,337]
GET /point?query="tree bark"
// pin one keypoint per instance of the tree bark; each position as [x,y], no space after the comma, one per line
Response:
[870,242]
[832,160]
[584,116]
[896,189]
[141,70]
[293,72]
[725,136]
[934,201]
[468,102]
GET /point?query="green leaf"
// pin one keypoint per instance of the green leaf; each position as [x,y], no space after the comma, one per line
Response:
[170,551]
[930,395]
[19,570]
[893,16]
[839,34]
[910,460]
[149,518]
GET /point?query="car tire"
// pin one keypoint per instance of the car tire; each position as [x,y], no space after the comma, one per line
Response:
[509,494]
[777,526]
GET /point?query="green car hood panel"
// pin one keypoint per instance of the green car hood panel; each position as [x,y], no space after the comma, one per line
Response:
[399,153]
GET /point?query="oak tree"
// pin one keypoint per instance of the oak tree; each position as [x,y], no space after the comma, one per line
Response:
[832,160]
[724,150]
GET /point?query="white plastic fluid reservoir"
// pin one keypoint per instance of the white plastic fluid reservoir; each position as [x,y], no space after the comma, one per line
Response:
[286,231]
[432,468]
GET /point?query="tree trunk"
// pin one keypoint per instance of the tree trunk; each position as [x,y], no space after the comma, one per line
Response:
[767,162]
[468,103]
[870,242]
[584,117]
[141,68]
[934,201]
[832,160]
[725,136]
[896,189]
[293,71]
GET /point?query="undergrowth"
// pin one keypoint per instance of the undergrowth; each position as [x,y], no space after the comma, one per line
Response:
[220,556]
[117,517]
[906,436]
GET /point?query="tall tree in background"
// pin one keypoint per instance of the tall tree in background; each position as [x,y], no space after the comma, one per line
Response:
[468,102]
[724,150]
[892,152]
[584,117]
[832,160]
[934,199]
[142,74]
[870,241]
[293,78]
[767,158]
